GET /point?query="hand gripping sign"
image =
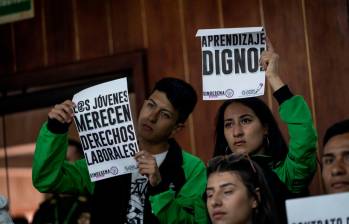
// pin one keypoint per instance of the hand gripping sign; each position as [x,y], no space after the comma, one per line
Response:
[103,119]
[230,62]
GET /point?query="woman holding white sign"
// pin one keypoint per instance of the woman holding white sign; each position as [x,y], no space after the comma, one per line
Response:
[247,126]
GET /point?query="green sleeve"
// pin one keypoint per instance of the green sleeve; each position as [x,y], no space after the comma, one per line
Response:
[300,164]
[51,173]
[188,205]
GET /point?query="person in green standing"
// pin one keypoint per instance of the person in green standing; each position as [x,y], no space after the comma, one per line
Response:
[170,183]
[247,126]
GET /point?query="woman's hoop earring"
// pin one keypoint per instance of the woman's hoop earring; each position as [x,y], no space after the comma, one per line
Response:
[227,150]
[268,142]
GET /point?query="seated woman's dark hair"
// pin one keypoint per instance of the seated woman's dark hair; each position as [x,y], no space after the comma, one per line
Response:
[253,178]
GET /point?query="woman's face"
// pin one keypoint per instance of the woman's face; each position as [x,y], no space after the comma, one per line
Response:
[228,201]
[243,130]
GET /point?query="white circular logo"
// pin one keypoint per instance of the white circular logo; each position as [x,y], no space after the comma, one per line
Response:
[229,93]
[114,170]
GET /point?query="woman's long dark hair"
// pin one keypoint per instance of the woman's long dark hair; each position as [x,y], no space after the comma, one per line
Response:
[275,146]
[253,178]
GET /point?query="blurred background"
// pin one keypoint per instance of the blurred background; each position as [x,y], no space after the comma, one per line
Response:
[67,45]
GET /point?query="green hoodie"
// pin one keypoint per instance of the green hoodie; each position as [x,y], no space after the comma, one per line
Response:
[297,170]
[51,173]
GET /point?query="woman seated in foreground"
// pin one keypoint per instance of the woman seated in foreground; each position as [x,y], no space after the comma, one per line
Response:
[237,192]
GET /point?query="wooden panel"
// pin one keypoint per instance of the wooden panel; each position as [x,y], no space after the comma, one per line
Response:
[165,52]
[59,31]
[284,26]
[25,122]
[76,76]
[329,51]
[6,50]
[200,14]
[92,28]
[29,49]
[1,135]
[126,25]
[238,13]
[4,181]
[24,198]
[164,48]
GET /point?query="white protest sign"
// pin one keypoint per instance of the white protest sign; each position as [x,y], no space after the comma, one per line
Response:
[230,62]
[326,209]
[103,119]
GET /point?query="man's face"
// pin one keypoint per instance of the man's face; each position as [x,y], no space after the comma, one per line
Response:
[335,162]
[157,119]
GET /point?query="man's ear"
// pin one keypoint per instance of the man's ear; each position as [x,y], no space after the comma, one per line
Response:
[176,129]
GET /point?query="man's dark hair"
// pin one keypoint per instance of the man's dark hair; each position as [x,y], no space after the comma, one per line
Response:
[181,95]
[338,128]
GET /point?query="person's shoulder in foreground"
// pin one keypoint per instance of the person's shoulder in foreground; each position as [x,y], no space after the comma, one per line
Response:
[5,218]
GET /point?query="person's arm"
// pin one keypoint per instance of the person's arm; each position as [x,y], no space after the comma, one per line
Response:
[300,164]
[188,205]
[51,173]
[270,63]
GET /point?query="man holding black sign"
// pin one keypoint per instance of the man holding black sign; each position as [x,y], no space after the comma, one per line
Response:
[169,185]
